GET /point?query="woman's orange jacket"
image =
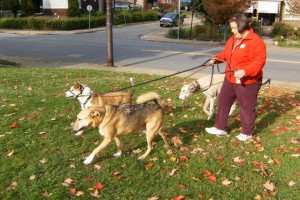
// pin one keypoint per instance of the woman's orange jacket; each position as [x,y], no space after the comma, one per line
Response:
[250,55]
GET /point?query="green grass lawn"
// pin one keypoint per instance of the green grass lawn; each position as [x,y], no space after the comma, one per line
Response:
[40,157]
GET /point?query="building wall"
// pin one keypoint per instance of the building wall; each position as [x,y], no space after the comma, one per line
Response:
[55,4]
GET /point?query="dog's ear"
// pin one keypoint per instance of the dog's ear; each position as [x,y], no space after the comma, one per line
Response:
[94,113]
[78,86]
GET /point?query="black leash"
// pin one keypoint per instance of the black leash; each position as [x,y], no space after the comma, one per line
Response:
[157,79]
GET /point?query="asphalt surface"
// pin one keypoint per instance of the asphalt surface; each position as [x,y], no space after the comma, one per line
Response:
[155,37]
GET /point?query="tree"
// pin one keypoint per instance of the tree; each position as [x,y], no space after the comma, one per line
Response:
[294,7]
[73,8]
[27,7]
[219,11]
[12,5]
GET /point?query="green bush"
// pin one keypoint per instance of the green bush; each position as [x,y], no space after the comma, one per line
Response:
[73,23]
[255,24]
[173,33]
[282,29]
[73,10]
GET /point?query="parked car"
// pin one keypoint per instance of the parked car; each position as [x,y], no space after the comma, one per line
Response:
[160,15]
[171,19]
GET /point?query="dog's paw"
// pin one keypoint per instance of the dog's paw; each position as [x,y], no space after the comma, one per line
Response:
[88,160]
[78,133]
[118,154]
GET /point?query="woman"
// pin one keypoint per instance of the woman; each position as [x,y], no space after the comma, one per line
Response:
[245,54]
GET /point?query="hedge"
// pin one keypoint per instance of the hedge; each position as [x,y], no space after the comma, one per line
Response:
[74,23]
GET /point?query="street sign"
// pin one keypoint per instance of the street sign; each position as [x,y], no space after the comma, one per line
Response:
[89,8]
[186,1]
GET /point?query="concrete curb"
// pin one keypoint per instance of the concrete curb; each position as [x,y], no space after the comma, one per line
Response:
[162,72]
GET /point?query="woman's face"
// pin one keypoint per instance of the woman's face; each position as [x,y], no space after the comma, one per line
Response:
[234,30]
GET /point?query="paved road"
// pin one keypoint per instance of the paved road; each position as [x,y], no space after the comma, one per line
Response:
[130,52]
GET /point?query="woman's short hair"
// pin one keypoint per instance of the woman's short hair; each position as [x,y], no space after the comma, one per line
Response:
[241,20]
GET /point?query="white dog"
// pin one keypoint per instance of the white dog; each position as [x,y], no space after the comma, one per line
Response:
[211,88]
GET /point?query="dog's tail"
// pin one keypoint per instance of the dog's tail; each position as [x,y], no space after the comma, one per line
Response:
[132,85]
[149,96]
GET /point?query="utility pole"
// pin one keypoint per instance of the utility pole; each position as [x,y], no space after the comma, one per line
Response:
[109,40]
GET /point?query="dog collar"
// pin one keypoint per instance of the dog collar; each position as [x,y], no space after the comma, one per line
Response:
[196,86]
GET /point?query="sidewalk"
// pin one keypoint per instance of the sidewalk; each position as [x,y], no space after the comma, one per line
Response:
[156,37]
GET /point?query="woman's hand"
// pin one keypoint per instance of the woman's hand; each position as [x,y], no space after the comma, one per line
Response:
[239,73]
[212,61]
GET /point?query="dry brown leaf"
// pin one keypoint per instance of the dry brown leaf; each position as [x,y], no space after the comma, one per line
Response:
[258,197]
[172,172]
[97,167]
[269,186]
[12,186]
[67,182]
[176,141]
[153,198]
[226,182]
[137,151]
[95,194]
[46,194]
[79,193]
[44,160]
[291,183]
[10,153]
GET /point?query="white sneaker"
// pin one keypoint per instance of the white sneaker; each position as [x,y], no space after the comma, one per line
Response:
[243,137]
[215,131]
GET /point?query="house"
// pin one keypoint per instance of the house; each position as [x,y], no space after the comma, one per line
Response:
[270,11]
[60,7]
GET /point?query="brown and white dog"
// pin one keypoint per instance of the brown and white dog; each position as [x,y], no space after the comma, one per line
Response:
[115,121]
[209,88]
[87,98]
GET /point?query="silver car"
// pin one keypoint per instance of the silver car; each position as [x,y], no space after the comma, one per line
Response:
[171,19]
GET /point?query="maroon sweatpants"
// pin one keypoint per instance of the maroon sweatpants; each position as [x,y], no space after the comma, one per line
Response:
[247,97]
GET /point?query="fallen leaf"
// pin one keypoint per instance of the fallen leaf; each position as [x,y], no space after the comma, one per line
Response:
[32,177]
[226,182]
[44,160]
[258,197]
[153,198]
[179,197]
[98,186]
[72,191]
[212,178]
[269,186]
[79,193]
[67,182]
[14,125]
[10,153]
[176,141]
[89,179]
[46,194]
[116,172]
[12,186]
[181,129]
[206,173]
[97,167]
[149,165]
[181,186]
[173,172]
[137,151]
[291,183]
[185,159]
[95,194]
